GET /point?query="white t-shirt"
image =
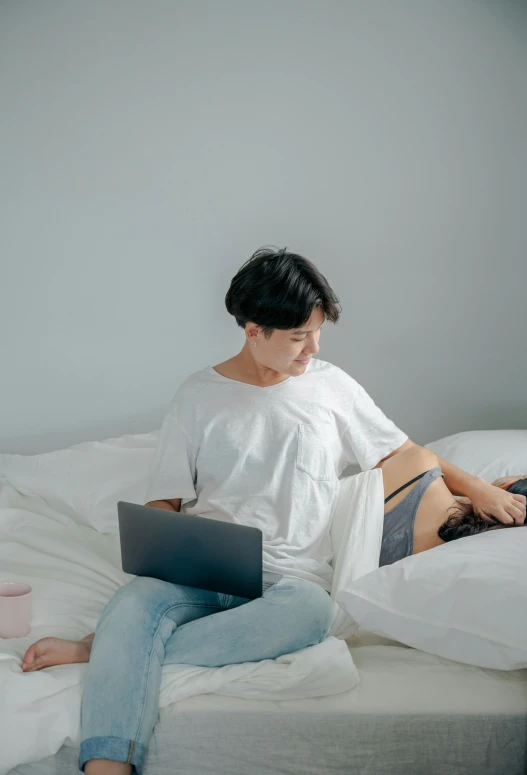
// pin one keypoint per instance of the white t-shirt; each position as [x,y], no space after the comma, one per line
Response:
[271,457]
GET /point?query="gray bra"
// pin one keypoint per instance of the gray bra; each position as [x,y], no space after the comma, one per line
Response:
[398,529]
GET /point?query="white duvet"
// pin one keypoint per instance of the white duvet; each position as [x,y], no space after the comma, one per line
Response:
[53,509]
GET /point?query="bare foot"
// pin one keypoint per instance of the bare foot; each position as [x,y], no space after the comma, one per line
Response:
[47,652]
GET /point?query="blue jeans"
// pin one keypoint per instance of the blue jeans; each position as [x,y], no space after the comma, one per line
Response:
[149,623]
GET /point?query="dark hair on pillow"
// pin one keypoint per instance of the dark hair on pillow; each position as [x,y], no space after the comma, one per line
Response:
[464,522]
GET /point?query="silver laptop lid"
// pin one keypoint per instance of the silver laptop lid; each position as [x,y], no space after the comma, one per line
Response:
[192,550]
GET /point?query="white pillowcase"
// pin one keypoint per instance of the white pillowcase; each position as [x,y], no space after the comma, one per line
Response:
[489,454]
[465,600]
[88,479]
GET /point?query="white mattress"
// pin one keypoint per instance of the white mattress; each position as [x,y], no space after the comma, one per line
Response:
[399,679]
[412,712]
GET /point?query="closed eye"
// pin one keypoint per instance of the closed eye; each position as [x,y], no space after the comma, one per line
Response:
[304,337]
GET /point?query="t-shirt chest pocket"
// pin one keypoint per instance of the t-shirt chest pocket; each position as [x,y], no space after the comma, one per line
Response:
[314,453]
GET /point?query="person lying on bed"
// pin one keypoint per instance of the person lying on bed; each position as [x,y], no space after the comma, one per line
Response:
[419,509]
[261,440]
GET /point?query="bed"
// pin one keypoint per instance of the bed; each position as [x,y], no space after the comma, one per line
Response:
[411,712]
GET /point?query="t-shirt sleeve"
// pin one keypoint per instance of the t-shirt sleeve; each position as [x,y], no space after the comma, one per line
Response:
[173,470]
[369,436]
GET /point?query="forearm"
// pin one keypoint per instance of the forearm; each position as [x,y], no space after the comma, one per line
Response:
[161,505]
[488,501]
[459,482]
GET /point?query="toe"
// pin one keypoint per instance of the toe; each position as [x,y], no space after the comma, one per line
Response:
[36,665]
[29,656]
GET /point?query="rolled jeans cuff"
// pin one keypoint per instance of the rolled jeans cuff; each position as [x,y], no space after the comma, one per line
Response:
[117,749]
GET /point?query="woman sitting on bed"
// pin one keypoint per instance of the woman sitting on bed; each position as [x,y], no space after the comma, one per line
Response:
[259,440]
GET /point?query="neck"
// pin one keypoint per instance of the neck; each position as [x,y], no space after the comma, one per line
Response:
[246,365]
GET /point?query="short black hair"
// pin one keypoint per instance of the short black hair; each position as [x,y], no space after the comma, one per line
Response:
[279,289]
[465,522]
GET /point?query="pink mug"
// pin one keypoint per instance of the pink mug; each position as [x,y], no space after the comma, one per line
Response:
[15,609]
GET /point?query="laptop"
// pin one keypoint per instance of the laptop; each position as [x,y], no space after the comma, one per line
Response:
[192,550]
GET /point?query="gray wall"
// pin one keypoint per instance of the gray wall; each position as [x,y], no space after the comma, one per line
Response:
[147,148]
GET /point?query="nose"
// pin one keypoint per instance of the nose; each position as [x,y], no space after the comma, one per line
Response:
[313,350]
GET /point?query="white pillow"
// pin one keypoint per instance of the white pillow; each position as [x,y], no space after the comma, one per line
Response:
[489,454]
[465,600]
[86,480]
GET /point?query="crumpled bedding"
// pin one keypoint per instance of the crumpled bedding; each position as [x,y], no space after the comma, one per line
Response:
[74,569]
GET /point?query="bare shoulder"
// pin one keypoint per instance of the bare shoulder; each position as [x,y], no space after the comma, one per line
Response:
[409,462]
[401,468]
